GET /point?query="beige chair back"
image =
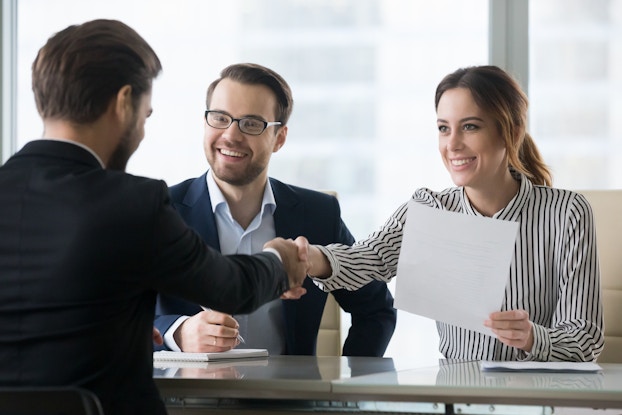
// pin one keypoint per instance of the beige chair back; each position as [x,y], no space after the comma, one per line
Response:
[607,207]
[329,335]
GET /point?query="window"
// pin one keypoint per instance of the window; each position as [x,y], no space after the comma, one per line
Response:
[575,83]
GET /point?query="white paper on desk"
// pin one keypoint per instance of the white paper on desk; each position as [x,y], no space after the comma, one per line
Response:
[453,267]
[209,357]
[530,366]
[210,364]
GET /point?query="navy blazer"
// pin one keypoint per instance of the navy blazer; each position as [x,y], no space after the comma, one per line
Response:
[317,216]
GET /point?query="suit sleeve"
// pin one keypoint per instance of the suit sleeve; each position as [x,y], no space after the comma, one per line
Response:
[185,267]
[371,309]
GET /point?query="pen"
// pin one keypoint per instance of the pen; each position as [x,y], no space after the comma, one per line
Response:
[240,338]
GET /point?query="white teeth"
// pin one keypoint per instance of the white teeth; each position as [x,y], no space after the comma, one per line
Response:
[460,162]
[231,153]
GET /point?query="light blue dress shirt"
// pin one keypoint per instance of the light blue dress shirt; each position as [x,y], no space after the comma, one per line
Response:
[264,328]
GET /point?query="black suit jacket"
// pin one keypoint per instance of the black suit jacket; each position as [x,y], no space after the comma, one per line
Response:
[83,252]
[316,216]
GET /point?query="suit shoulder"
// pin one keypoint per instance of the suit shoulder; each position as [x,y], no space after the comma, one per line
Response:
[137,184]
[178,190]
[305,194]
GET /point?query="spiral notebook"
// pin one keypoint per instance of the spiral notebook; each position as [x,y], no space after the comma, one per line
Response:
[166,355]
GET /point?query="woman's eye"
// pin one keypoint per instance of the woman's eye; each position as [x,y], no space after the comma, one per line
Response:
[469,127]
[442,128]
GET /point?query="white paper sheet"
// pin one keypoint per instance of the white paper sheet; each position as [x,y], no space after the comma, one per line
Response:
[540,366]
[453,267]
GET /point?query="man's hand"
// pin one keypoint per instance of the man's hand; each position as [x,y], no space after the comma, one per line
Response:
[294,256]
[512,328]
[294,293]
[207,331]
[157,337]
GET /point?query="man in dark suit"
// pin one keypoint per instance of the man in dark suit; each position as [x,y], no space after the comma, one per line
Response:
[85,247]
[235,208]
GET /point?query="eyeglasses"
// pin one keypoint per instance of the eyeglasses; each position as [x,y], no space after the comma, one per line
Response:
[248,125]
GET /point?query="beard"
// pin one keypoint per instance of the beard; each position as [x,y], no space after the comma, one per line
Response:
[239,178]
[126,147]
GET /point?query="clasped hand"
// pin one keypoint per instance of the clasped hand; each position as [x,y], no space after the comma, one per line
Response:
[294,254]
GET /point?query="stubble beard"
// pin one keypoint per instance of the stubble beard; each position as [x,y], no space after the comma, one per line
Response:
[235,179]
[124,150]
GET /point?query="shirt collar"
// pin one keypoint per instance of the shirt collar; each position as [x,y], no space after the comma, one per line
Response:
[94,154]
[512,210]
[217,198]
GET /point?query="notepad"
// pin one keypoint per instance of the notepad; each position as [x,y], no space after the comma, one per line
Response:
[529,366]
[212,364]
[166,355]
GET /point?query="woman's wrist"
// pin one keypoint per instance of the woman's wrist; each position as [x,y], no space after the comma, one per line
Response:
[319,267]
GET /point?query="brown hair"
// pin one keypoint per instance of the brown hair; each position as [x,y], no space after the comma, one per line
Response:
[497,93]
[81,68]
[254,74]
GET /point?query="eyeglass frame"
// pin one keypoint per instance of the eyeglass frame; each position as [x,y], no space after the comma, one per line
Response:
[266,124]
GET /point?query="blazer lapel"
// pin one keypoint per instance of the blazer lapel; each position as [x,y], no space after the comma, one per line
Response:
[288,211]
[196,207]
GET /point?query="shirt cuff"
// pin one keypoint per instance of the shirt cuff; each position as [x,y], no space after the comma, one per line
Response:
[169,340]
[331,282]
[275,252]
[541,349]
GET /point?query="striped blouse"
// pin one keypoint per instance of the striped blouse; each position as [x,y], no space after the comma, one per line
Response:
[554,274]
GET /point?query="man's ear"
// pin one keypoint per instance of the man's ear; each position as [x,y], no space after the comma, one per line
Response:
[123,104]
[281,137]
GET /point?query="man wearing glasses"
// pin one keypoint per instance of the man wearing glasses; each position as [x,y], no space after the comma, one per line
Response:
[236,208]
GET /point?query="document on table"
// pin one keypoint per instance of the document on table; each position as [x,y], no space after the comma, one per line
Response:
[208,357]
[211,364]
[490,366]
[453,267]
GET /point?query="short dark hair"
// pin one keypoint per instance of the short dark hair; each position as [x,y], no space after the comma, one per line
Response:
[254,74]
[81,68]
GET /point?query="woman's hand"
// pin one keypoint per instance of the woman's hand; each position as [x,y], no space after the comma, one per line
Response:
[513,328]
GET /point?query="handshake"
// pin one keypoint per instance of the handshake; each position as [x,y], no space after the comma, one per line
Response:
[299,258]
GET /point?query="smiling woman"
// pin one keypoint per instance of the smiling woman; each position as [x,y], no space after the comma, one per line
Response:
[552,309]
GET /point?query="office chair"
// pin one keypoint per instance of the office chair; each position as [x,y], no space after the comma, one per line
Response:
[329,335]
[48,401]
[607,208]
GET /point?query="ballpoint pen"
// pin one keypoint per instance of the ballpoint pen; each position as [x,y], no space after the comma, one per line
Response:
[240,338]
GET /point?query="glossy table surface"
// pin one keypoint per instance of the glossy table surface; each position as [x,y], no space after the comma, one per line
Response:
[464,382]
[344,379]
[297,377]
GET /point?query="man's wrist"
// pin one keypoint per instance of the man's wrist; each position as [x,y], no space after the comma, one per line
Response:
[275,252]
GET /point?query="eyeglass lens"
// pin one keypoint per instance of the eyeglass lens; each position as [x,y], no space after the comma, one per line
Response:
[247,125]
